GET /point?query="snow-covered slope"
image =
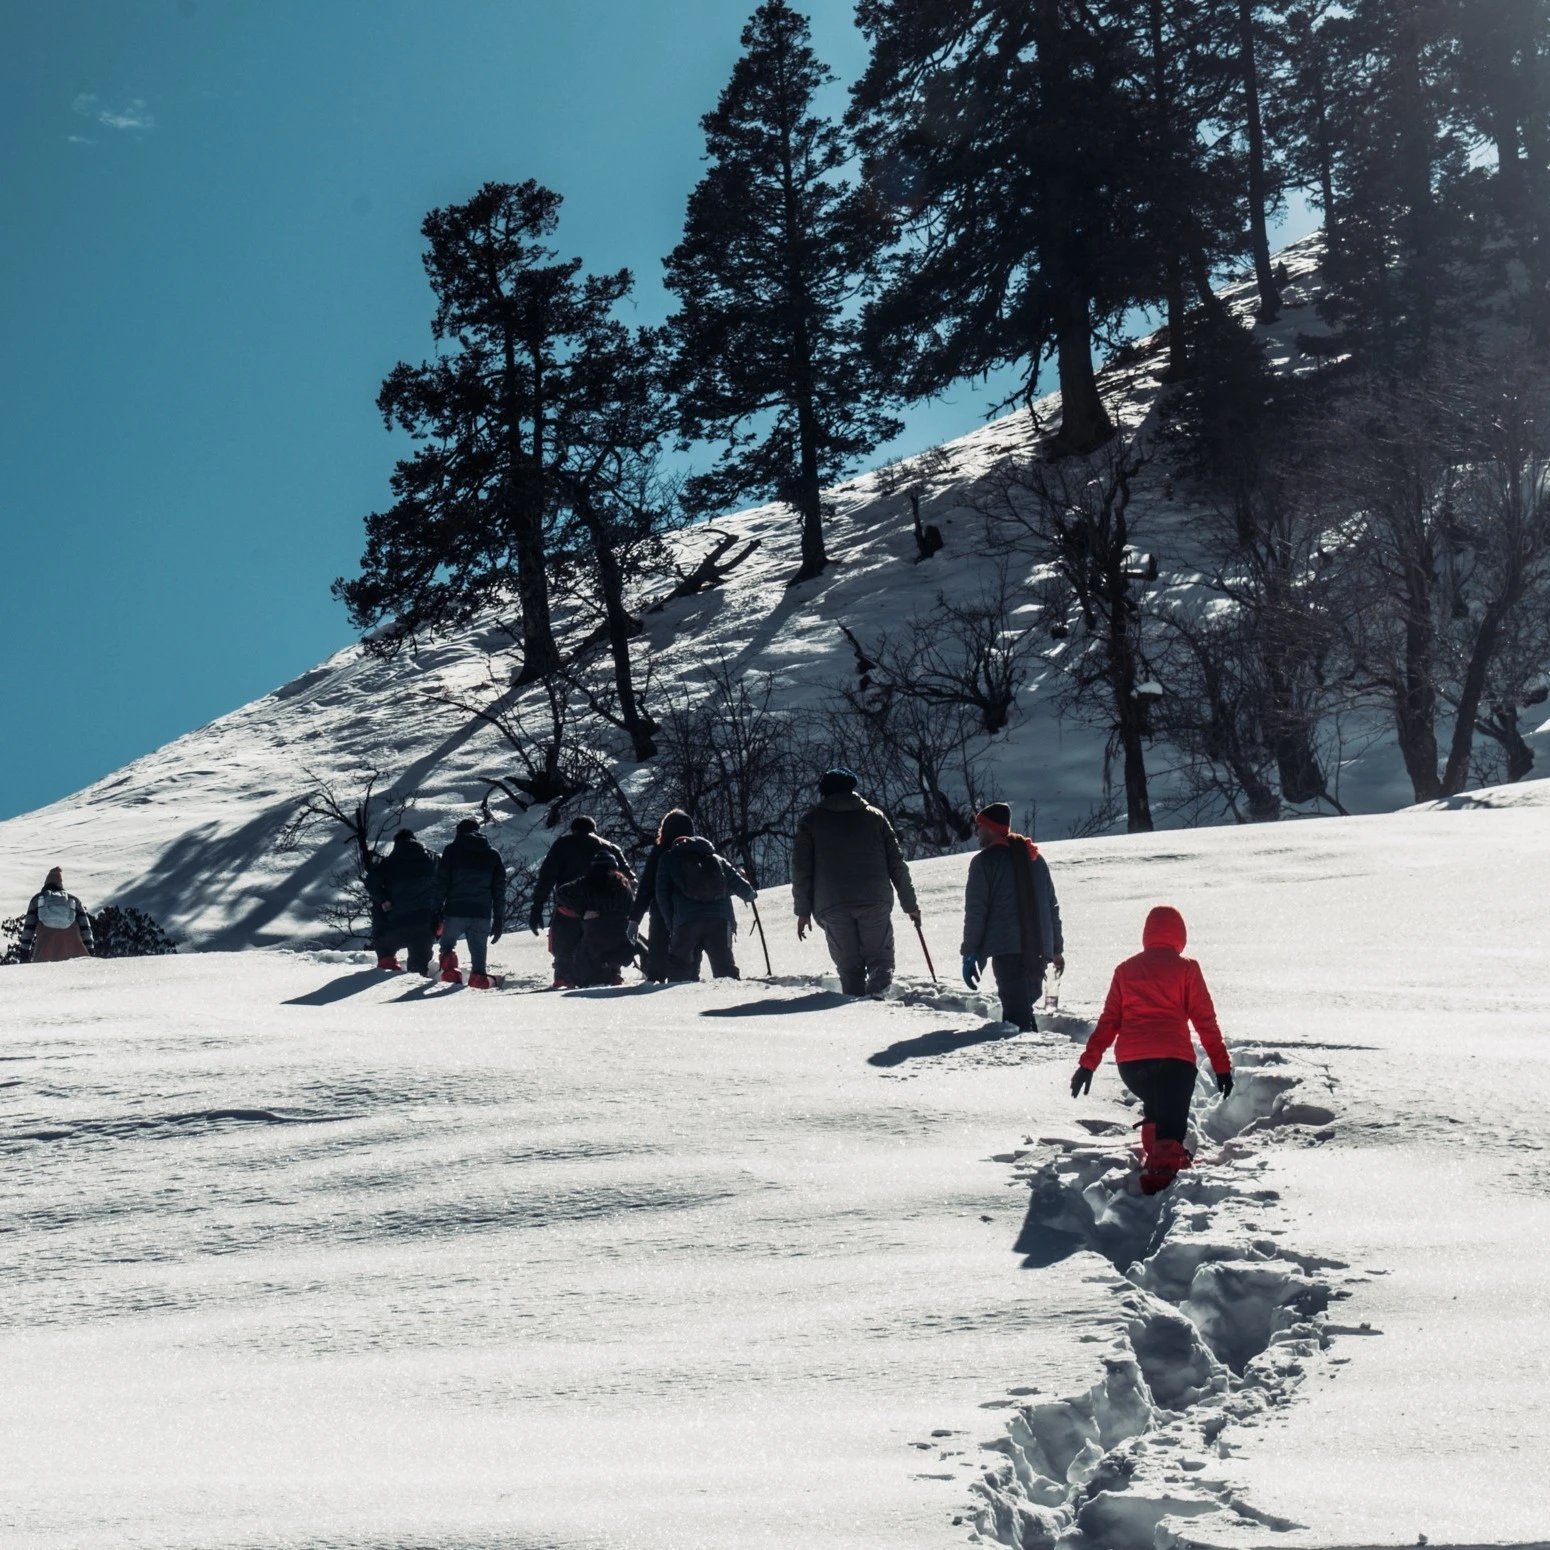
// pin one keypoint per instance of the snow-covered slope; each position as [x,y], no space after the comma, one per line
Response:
[189,831]
[302,1256]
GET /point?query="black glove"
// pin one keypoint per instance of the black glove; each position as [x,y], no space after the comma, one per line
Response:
[495,935]
[1081,1082]
[535,919]
[971,971]
[1224,1083]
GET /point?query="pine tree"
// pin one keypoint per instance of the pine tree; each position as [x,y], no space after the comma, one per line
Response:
[1002,135]
[475,501]
[766,344]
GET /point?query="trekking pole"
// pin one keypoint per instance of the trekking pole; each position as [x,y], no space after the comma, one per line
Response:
[769,973]
[920,931]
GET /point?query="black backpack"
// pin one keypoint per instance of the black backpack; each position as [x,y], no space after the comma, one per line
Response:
[700,876]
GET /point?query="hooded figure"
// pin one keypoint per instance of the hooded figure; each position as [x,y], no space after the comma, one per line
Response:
[676,825]
[846,866]
[403,888]
[694,893]
[1011,916]
[569,858]
[471,889]
[1152,1001]
[602,899]
[56,925]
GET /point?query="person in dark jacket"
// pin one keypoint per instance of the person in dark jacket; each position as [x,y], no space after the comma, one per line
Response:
[1011,916]
[675,825]
[404,888]
[56,925]
[569,858]
[602,899]
[694,892]
[1154,999]
[471,894]
[846,866]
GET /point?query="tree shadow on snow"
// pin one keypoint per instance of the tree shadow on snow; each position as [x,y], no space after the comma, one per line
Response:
[340,989]
[776,1006]
[943,1042]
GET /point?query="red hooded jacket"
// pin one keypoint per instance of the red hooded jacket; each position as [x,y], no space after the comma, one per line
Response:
[1153,999]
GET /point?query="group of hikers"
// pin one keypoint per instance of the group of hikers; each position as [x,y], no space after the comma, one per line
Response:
[847,871]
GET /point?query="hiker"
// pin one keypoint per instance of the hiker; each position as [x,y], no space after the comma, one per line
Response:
[471,900]
[568,859]
[602,899]
[1153,998]
[56,926]
[846,867]
[675,825]
[403,887]
[1010,917]
[694,893]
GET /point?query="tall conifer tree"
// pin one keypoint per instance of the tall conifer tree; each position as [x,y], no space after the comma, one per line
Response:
[765,341]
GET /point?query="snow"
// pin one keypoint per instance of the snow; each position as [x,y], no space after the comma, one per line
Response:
[189,832]
[301,1254]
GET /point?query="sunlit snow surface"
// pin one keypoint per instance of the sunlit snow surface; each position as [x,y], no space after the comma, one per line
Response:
[300,1255]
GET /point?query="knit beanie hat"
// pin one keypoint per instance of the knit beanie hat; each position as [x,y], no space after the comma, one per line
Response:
[997,817]
[837,782]
[1164,928]
[468,826]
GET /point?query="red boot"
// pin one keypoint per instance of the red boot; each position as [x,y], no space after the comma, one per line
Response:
[449,970]
[479,982]
[1163,1165]
[391,965]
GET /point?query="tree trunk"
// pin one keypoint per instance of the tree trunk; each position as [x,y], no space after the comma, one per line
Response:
[1200,276]
[1455,775]
[1084,422]
[1259,191]
[526,494]
[1415,707]
[621,628]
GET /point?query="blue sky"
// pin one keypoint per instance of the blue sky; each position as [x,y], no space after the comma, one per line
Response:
[213,213]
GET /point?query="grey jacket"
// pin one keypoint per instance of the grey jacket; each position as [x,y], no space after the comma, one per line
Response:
[990,924]
[846,854]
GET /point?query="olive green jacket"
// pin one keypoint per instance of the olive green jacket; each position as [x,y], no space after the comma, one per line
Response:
[847,855]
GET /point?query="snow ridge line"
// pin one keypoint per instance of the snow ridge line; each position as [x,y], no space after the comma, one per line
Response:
[1220,1323]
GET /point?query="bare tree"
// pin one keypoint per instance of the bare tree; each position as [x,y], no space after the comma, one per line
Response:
[352,808]
[1073,517]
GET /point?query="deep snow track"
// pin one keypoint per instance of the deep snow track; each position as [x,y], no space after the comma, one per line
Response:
[296,1256]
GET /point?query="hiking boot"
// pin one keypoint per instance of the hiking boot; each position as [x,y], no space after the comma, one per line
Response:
[449,970]
[387,964]
[1163,1165]
[480,982]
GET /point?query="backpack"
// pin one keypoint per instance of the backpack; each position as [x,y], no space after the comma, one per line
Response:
[700,876]
[56,910]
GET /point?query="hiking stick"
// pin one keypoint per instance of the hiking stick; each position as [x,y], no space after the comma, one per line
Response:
[921,933]
[769,973]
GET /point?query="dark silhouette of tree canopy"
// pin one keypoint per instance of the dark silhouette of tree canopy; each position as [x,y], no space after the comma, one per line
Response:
[766,344]
[475,501]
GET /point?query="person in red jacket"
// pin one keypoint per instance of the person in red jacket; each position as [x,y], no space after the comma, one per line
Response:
[1153,999]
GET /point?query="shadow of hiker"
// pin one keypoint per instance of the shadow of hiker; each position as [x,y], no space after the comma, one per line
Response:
[775,1006]
[338,990]
[425,988]
[1042,1245]
[943,1042]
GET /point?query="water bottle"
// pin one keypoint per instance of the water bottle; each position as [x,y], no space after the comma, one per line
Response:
[1052,992]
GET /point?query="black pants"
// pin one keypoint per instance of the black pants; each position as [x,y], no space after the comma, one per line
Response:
[709,935]
[564,939]
[656,947]
[1165,1088]
[416,935]
[603,951]
[1017,988]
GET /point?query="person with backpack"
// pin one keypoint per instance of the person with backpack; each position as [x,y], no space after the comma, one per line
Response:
[471,898]
[1153,999]
[56,926]
[846,867]
[602,900]
[675,825]
[569,858]
[1011,917]
[404,889]
[694,892]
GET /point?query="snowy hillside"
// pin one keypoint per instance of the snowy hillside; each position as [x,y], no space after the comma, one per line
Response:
[303,1256]
[189,832]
